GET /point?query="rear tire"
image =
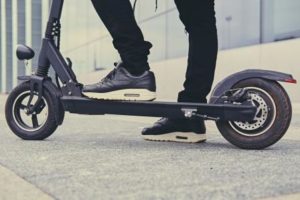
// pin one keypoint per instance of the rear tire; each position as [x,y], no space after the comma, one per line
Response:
[272,120]
[16,116]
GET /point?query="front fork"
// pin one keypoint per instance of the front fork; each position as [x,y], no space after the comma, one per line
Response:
[51,56]
[35,82]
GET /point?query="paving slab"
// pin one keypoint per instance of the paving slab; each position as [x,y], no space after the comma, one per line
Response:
[14,187]
[104,157]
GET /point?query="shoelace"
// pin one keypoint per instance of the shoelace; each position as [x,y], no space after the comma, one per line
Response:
[134,5]
[109,76]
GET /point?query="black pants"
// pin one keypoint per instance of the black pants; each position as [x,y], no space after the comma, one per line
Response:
[198,16]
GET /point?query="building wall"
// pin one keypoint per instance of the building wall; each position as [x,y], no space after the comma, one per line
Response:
[6,44]
[9,45]
[21,38]
[20,23]
[240,23]
[0,43]
[84,38]
[36,31]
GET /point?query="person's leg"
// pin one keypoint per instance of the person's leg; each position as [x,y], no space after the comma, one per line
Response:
[130,79]
[118,17]
[199,20]
[198,17]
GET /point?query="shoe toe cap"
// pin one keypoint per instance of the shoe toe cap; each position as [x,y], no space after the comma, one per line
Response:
[145,131]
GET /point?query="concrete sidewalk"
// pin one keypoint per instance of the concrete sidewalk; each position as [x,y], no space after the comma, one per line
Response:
[104,157]
[14,187]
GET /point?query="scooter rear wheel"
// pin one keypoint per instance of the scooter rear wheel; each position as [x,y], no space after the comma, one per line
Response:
[272,120]
[36,126]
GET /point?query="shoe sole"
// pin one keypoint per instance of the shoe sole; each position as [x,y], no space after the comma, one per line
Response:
[177,137]
[126,94]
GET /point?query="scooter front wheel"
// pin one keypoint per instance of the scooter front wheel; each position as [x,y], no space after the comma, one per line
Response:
[272,120]
[36,126]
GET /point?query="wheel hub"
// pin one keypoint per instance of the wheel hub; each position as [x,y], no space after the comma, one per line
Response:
[264,117]
[21,113]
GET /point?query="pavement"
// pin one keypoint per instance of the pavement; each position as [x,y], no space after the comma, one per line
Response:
[104,157]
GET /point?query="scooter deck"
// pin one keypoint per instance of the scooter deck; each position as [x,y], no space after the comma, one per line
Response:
[82,105]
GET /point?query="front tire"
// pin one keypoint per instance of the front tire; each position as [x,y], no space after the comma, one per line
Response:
[36,126]
[272,118]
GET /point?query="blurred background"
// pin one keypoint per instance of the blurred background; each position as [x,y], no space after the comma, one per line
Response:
[252,34]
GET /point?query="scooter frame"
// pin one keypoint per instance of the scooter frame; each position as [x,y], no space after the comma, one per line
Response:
[70,93]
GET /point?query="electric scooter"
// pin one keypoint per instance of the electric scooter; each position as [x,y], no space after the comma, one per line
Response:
[251,109]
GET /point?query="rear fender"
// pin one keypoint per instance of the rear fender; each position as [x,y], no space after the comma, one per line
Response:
[228,83]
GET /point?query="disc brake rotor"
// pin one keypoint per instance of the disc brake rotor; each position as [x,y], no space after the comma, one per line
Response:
[261,114]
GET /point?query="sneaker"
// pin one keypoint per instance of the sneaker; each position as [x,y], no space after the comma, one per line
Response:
[176,130]
[119,84]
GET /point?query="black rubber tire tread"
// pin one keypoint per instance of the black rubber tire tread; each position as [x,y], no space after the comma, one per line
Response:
[280,125]
[48,128]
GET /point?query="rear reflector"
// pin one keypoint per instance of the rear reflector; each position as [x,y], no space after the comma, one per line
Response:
[290,81]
